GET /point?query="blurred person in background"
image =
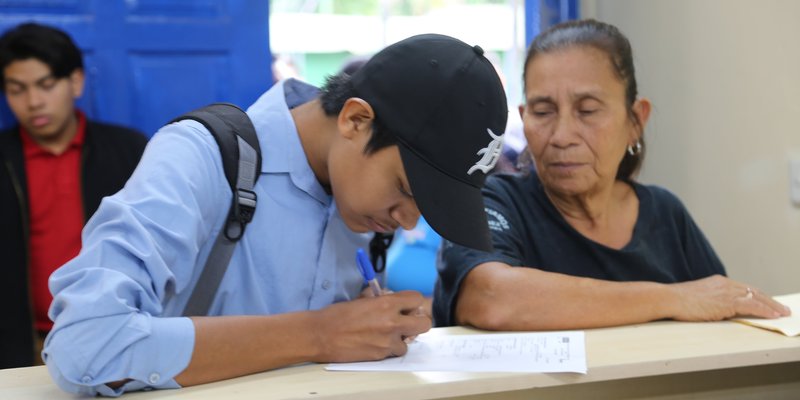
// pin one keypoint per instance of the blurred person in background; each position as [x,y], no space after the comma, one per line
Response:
[56,167]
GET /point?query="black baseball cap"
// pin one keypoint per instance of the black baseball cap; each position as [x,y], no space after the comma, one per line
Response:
[443,101]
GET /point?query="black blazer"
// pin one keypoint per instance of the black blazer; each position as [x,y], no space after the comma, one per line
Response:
[108,157]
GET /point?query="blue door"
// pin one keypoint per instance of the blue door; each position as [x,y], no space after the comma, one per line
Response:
[148,61]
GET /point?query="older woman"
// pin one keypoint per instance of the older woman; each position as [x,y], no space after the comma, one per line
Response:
[578,243]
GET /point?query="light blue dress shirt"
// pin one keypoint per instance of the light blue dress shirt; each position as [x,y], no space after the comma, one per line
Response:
[117,305]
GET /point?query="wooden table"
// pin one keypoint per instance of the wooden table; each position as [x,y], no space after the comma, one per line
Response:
[666,360]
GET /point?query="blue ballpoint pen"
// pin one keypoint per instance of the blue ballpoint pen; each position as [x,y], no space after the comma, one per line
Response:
[365,267]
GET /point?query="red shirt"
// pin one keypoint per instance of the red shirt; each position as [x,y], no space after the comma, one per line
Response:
[55,208]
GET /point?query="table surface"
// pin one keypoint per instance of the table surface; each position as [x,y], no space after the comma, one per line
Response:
[643,350]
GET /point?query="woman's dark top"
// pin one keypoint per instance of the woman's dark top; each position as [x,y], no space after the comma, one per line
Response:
[527,230]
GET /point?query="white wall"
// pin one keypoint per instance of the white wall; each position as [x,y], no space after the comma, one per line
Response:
[724,78]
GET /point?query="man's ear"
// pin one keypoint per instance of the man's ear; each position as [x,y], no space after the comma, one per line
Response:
[77,80]
[355,118]
[521,109]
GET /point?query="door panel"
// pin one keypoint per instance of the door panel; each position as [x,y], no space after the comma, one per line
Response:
[157,74]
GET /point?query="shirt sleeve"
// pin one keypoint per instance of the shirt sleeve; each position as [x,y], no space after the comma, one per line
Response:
[456,261]
[139,249]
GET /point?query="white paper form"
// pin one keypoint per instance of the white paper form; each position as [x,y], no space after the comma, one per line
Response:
[789,326]
[490,352]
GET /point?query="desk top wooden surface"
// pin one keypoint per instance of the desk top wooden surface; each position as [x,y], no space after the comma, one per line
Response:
[651,349]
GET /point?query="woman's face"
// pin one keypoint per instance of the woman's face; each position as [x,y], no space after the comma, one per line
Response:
[576,121]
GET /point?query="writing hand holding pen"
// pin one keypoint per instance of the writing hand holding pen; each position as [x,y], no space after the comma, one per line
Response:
[368,273]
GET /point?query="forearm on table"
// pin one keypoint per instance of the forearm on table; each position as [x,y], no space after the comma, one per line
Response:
[231,346]
[499,297]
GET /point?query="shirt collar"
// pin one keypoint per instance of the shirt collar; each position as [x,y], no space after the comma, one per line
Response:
[281,150]
[32,148]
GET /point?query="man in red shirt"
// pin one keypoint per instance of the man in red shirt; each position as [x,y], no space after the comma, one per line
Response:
[56,167]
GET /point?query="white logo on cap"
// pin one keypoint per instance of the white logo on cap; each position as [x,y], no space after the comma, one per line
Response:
[491,153]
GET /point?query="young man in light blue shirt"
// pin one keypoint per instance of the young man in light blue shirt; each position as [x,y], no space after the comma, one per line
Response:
[409,133]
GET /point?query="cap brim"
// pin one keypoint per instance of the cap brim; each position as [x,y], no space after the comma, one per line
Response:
[453,209]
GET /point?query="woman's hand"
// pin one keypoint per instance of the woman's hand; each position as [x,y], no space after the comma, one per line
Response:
[717,297]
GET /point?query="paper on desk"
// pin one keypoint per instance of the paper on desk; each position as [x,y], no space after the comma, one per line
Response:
[789,326]
[490,352]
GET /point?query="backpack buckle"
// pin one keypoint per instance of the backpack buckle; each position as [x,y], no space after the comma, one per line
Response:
[242,211]
[247,200]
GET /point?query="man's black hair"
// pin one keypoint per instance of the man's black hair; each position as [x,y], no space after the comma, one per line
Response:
[335,92]
[49,45]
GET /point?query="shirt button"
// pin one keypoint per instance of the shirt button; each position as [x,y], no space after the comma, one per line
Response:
[326,284]
[154,378]
[86,379]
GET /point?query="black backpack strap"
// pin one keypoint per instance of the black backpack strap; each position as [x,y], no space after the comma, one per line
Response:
[241,161]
